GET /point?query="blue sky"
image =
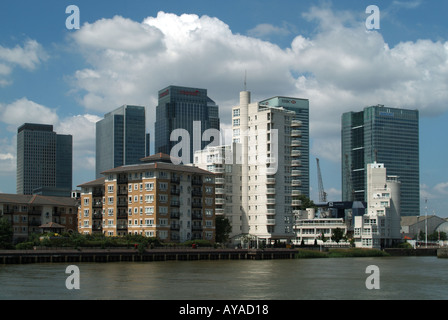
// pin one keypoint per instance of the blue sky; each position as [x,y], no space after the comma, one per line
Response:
[126,51]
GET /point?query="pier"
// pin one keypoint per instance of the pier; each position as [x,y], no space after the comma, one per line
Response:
[132,255]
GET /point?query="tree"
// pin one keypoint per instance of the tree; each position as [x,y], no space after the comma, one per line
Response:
[306,202]
[337,235]
[223,229]
[6,234]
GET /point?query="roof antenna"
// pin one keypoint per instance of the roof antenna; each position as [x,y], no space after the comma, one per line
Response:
[245,78]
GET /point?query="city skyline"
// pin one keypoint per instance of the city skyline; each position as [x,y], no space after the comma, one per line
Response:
[319,51]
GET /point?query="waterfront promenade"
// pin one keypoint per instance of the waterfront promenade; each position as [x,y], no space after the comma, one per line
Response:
[126,254]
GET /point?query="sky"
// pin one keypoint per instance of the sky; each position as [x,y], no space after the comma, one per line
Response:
[125,52]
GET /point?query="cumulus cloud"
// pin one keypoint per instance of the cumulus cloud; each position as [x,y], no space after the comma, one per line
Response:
[24,110]
[28,57]
[341,67]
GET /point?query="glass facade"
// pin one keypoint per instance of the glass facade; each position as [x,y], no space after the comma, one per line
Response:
[44,159]
[121,138]
[385,135]
[179,108]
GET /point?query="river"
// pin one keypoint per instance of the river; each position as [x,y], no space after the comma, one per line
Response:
[399,278]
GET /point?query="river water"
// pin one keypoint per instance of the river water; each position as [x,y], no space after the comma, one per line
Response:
[399,278]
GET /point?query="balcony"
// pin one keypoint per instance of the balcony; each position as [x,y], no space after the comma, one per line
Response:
[196,182]
[296,163]
[270,181]
[270,222]
[296,173]
[296,183]
[219,170]
[220,201]
[220,180]
[296,143]
[219,211]
[270,211]
[174,214]
[296,193]
[175,180]
[296,203]
[271,160]
[270,201]
[196,216]
[121,226]
[219,190]
[197,205]
[271,170]
[175,203]
[270,191]
[296,153]
[175,192]
[296,133]
[296,123]
[175,226]
[196,193]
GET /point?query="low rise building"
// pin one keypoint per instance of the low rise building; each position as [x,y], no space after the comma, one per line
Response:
[156,198]
[28,213]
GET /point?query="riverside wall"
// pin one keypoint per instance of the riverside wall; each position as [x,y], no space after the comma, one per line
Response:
[130,255]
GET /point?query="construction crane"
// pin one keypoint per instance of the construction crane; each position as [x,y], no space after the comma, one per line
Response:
[322,193]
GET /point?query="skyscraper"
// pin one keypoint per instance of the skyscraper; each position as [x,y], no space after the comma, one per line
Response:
[385,135]
[121,138]
[184,108]
[301,108]
[44,160]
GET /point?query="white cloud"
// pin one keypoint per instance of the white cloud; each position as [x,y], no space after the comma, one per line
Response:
[24,110]
[28,57]
[266,30]
[342,67]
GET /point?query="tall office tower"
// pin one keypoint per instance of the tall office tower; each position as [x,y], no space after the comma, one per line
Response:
[184,108]
[121,138]
[271,172]
[385,135]
[301,108]
[44,160]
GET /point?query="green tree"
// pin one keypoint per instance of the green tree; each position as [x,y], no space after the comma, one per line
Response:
[306,202]
[6,234]
[223,229]
[337,235]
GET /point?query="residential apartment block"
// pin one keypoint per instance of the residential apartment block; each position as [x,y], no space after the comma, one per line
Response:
[259,175]
[27,213]
[156,198]
[380,226]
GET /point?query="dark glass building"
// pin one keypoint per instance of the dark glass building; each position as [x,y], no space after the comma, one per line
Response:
[44,161]
[179,108]
[385,135]
[121,138]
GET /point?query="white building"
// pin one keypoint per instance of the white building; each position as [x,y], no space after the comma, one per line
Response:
[380,226]
[260,179]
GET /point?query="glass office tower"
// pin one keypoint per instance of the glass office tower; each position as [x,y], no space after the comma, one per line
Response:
[301,107]
[385,135]
[121,138]
[44,161]
[179,108]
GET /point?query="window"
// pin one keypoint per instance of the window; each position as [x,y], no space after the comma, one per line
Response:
[149,198]
[236,122]
[149,186]
[163,210]
[149,210]
[236,112]
[163,186]
[110,188]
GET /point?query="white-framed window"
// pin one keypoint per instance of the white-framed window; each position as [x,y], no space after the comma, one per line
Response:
[149,210]
[110,188]
[149,186]
[149,198]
